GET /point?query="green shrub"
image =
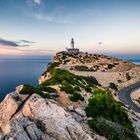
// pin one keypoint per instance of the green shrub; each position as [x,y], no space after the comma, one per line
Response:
[47,89]
[49,82]
[111,130]
[64,57]
[87,89]
[102,104]
[110,66]
[50,90]
[91,80]
[66,61]
[61,75]
[58,76]
[113,86]
[44,95]
[28,89]
[81,68]
[67,87]
[77,88]
[119,81]
[52,66]
[76,96]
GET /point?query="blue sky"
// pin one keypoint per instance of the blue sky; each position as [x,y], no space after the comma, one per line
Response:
[41,27]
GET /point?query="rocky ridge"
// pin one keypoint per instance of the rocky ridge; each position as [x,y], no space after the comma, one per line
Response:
[31,117]
[25,117]
[104,68]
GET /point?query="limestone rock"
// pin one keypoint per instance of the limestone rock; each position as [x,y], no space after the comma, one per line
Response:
[7,109]
[56,120]
[37,119]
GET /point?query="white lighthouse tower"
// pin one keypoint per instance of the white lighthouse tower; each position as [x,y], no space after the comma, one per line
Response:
[72,43]
[72,50]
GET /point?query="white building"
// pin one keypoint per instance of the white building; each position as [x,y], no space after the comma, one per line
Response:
[72,50]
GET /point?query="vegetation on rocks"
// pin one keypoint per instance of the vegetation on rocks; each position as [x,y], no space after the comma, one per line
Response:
[68,88]
[111,130]
[47,89]
[70,83]
[51,66]
[28,89]
[77,88]
[113,86]
[83,68]
[110,66]
[43,91]
[109,118]
[76,96]
[102,104]
[88,88]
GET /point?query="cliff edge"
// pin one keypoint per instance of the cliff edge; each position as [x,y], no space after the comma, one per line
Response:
[71,102]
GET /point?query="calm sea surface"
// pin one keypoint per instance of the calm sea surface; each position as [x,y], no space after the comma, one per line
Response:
[135,61]
[16,72]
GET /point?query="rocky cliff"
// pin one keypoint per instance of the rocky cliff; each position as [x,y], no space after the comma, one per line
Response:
[61,107]
[25,117]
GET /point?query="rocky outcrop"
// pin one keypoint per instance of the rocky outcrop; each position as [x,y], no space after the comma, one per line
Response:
[25,117]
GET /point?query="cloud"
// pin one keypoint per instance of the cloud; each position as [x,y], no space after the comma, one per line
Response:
[21,43]
[26,41]
[8,43]
[58,14]
[37,1]
[49,18]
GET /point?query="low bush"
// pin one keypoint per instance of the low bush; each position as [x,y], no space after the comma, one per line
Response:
[52,66]
[81,68]
[77,88]
[111,130]
[58,76]
[44,95]
[119,81]
[70,83]
[66,61]
[88,88]
[110,66]
[102,104]
[47,89]
[28,89]
[113,86]
[67,87]
[76,96]
[64,57]
[49,82]
[91,80]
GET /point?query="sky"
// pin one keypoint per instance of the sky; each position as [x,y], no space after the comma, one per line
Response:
[44,27]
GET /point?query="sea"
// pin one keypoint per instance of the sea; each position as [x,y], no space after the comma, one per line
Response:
[135,61]
[14,72]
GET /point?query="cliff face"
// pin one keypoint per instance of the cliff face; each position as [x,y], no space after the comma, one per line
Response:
[102,67]
[55,109]
[34,118]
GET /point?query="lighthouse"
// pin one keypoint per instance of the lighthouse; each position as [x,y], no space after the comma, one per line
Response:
[72,50]
[72,43]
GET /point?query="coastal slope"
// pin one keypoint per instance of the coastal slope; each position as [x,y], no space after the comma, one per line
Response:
[72,101]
